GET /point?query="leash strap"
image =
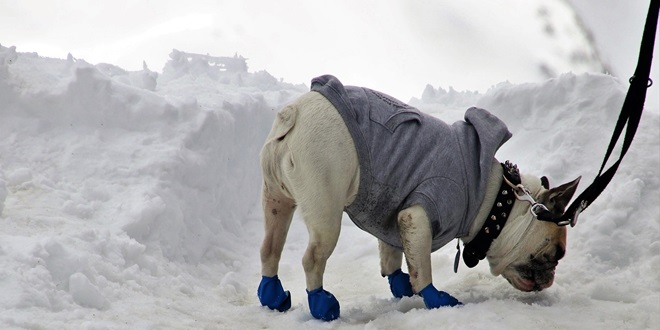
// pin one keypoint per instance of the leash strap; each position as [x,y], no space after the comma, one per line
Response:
[631,113]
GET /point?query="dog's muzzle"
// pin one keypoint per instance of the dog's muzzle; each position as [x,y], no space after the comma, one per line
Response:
[535,277]
[536,274]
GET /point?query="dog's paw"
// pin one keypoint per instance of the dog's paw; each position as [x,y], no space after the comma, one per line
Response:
[323,304]
[400,284]
[436,299]
[272,295]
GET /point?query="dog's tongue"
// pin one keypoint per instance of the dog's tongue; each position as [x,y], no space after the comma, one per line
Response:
[525,284]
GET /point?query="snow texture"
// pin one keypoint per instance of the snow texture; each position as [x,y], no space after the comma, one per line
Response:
[130,199]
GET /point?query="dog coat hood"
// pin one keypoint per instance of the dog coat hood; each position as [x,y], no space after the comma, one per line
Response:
[408,157]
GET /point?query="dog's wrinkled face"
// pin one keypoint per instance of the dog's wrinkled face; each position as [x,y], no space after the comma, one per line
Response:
[536,271]
[528,251]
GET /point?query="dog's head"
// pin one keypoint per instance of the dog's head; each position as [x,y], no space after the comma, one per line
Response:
[528,250]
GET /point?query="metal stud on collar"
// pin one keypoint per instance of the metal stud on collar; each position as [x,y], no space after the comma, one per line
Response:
[477,248]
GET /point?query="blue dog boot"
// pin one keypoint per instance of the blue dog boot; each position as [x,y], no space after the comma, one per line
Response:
[323,304]
[400,284]
[272,294]
[436,299]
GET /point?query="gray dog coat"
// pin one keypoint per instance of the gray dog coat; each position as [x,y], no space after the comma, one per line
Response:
[411,158]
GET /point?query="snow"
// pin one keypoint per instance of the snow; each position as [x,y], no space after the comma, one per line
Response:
[130,199]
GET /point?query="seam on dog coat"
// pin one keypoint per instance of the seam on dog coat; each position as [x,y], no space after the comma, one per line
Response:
[408,157]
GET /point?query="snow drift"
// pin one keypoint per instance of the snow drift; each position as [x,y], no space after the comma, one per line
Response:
[130,199]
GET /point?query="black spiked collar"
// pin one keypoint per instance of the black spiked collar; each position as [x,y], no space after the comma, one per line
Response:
[477,248]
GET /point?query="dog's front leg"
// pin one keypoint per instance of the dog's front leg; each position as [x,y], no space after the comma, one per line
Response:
[390,266]
[390,258]
[416,236]
[415,232]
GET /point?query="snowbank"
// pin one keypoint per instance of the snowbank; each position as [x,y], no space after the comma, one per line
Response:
[104,181]
[130,200]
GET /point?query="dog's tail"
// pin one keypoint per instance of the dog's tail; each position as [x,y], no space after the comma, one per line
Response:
[275,153]
[284,122]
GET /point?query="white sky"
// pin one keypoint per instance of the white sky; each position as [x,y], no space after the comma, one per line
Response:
[397,48]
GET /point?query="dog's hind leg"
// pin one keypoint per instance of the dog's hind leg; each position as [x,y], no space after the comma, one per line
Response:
[278,211]
[390,266]
[416,237]
[323,220]
[278,206]
[324,228]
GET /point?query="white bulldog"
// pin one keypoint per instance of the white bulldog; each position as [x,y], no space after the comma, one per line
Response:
[310,162]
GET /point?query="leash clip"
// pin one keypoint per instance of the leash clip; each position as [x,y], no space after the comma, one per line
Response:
[538,210]
[523,194]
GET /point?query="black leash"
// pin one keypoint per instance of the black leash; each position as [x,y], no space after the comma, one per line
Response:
[631,113]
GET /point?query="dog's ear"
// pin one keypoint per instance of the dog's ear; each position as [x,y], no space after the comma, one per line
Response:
[556,199]
[545,182]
